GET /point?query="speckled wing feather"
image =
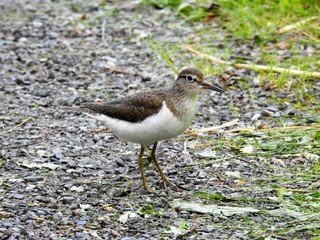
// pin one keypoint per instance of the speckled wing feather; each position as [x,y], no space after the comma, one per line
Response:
[133,108]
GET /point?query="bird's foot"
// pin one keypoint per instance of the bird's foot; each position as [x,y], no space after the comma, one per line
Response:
[149,189]
[181,187]
[171,185]
[167,183]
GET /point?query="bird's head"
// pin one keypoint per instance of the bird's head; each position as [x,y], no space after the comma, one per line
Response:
[191,81]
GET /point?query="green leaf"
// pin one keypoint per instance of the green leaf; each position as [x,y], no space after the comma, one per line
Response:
[166,58]
[183,225]
[162,3]
[317,136]
[315,195]
[147,209]
[209,196]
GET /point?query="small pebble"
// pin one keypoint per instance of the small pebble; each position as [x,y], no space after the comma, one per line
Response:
[33,178]
[67,199]
[18,196]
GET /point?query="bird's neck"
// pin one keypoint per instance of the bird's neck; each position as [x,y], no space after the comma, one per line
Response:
[180,92]
[182,102]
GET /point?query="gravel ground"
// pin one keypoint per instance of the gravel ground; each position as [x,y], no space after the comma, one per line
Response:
[58,180]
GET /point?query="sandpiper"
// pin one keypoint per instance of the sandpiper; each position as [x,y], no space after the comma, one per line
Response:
[148,117]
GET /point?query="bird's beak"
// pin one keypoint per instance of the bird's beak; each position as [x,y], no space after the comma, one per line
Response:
[213,87]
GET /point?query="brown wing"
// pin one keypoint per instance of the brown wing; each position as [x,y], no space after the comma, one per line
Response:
[133,108]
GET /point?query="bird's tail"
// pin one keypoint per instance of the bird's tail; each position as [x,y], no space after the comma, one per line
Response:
[79,110]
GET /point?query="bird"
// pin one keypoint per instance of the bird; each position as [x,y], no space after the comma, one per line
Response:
[148,117]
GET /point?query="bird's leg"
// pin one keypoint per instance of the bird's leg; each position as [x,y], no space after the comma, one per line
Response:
[140,163]
[154,158]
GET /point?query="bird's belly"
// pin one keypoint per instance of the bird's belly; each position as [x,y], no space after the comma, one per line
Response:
[161,126]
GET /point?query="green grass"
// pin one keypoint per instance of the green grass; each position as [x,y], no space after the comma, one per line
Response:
[247,19]
[260,18]
[256,23]
[279,180]
[271,143]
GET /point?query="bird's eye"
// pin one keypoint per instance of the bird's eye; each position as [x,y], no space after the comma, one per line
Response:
[190,78]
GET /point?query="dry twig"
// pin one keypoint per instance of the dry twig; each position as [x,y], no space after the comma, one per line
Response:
[13,128]
[300,23]
[275,128]
[103,129]
[252,66]
[119,71]
[213,129]
[5,119]
[104,33]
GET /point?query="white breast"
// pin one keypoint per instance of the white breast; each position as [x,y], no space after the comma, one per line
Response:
[161,126]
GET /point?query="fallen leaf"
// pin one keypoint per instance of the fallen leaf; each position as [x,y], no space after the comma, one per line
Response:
[5,214]
[85,206]
[177,231]
[310,156]
[126,216]
[38,219]
[201,145]
[104,218]
[298,215]
[108,208]
[207,154]
[247,149]
[280,45]
[77,189]
[213,209]
[67,226]
[239,182]
[78,32]
[51,166]
[232,174]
